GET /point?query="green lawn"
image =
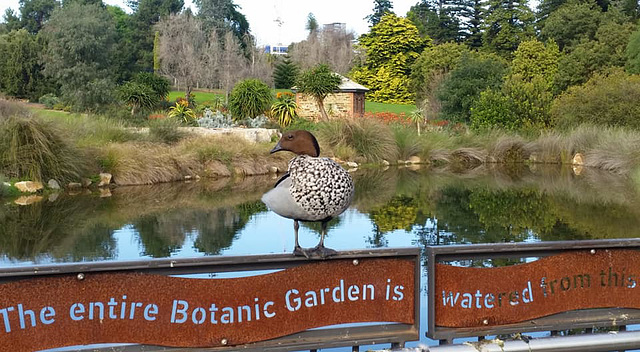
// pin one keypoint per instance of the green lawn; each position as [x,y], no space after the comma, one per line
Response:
[369,106]
[201,96]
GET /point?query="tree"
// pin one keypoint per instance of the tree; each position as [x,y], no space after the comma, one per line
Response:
[390,49]
[533,58]
[571,24]
[285,73]
[11,20]
[223,16]
[137,34]
[329,46]
[312,24]
[381,8]
[21,71]
[519,105]
[433,62]
[318,82]
[632,53]
[594,56]
[475,14]
[462,88]
[611,100]
[79,53]
[508,23]
[34,13]
[180,50]
[437,21]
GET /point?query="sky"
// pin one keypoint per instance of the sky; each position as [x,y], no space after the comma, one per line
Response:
[262,14]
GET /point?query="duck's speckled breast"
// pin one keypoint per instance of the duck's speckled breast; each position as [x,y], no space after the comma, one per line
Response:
[320,186]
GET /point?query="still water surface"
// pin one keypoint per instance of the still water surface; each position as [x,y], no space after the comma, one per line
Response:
[392,208]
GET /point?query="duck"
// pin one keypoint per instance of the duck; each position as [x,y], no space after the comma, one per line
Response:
[314,189]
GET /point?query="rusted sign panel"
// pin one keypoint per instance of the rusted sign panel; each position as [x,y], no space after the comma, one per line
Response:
[139,308]
[480,297]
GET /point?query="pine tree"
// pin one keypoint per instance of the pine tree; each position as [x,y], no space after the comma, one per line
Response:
[285,74]
[472,13]
[439,20]
[380,8]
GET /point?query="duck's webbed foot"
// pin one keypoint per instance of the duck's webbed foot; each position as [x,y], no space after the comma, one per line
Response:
[322,252]
[301,252]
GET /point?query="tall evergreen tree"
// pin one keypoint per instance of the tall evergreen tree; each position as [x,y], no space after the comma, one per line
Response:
[473,12]
[508,23]
[441,20]
[223,16]
[285,74]
[380,8]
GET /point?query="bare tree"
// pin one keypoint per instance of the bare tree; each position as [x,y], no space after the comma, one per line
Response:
[181,46]
[232,64]
[212,58]
[332,46]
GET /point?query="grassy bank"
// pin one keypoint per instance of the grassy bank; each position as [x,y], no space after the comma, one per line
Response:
[69,147]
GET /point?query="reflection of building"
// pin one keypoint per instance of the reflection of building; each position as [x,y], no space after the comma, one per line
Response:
[276,49]
[348,101]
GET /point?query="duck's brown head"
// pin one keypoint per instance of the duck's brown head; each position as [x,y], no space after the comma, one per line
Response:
[300,142]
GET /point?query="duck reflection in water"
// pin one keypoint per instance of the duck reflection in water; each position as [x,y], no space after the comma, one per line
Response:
[313,189]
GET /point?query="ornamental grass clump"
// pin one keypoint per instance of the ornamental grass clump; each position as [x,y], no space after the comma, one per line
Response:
[373,141]
[33,149]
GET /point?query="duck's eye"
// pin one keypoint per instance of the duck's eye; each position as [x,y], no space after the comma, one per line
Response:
[289,136]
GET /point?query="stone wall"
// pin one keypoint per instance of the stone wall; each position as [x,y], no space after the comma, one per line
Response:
[336,105]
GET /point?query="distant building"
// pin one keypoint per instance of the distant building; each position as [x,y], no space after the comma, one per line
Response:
[334,27]
[347,101]
[276,49]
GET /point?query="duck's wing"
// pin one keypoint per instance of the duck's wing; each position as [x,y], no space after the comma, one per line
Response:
[282,178]
[280,201]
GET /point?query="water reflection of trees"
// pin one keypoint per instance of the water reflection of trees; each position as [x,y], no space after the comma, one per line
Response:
[484,205]
[490,205]
[81,227]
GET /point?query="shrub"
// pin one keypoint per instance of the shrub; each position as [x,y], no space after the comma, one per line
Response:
[165,131]
[138,96]
[159,85]
[182,111]
[257,122]
[31,148]
[216,119]
[49,100]
[465,83]
[93,96]
[249,99]
[612,100]
[8,108]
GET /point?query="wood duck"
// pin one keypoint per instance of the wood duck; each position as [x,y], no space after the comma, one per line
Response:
[313,189]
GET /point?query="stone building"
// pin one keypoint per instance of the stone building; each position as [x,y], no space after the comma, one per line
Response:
[348,101]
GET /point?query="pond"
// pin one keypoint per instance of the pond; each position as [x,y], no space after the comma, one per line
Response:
[397,207]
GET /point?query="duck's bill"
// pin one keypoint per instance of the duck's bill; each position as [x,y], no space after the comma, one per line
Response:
[277,148]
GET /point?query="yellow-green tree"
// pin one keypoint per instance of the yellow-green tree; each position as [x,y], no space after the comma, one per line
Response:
[390,49]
